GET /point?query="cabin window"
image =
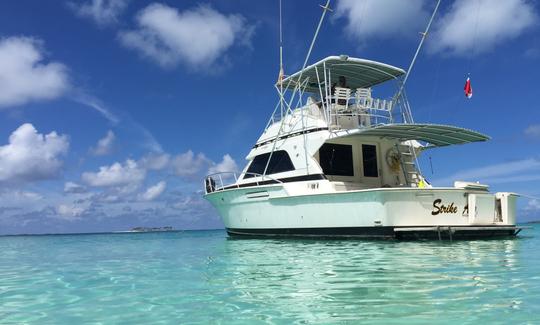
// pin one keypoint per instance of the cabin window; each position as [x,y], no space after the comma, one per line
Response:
[280,162]
[369,157]
[336,159]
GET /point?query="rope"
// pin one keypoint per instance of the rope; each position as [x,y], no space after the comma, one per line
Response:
[475,34]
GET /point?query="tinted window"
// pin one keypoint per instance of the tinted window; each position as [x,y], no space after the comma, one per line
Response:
[336,159]
[280,162]
[369,157]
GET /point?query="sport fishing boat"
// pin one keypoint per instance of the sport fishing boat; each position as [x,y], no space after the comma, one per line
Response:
[344,163]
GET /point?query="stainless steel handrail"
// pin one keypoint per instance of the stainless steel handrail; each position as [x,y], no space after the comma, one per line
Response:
[211,186]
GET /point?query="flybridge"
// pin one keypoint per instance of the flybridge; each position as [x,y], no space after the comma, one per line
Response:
[337,90]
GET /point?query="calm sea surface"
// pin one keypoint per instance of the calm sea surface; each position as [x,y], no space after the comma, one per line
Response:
[202,277]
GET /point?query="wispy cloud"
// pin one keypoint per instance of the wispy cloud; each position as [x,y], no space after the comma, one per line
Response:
[515,171]
[74,188]
[121,120]
[197,37]
[90,101]
[25,77]
[473,27]
[368,19]
[533,131]
[533,205]
[102,12]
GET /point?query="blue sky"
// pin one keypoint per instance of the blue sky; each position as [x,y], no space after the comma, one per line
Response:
[112,111]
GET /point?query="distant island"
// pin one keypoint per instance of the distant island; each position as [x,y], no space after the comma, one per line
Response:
[151,229]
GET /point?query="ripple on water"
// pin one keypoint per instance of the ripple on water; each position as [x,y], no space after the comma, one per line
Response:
[203,277]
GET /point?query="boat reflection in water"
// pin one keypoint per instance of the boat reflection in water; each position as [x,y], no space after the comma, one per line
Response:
[331,281]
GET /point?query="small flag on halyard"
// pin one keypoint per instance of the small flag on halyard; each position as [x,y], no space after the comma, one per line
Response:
[281,75]
[468,88]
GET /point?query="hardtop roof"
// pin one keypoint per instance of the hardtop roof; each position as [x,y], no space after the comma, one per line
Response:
[359,73]
[436,135]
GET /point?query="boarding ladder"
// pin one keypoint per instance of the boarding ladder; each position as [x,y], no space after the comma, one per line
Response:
[409,163]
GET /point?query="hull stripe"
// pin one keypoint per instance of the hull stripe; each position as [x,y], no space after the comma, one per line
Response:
[461,232]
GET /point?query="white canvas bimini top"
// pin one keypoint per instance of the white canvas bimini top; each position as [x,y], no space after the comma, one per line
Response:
[434,134]
[359,73]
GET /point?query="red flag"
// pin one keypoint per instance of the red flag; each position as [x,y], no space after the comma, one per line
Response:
[468,88]
[281,76]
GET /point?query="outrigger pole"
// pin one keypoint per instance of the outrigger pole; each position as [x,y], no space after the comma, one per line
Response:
[325,9]
[424,35]
[281,71]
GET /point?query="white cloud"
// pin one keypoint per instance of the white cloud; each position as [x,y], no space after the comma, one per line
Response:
[153,192]
[382,18]
[31,156]
[102,12]
[515,171]
[23,75]
[226,165]
[70,211]
[20,196]
[197,37]
[96,104]
[188,165]
[74,188]
[533,205]
[128,174]
[533,131]
[155,161]
[104,145]
[476,26]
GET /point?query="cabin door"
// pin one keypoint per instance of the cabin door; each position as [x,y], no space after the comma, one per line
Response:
[370,169]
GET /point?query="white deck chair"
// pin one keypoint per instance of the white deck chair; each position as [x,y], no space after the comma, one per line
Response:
[364,103]
[342,95]
[363,97]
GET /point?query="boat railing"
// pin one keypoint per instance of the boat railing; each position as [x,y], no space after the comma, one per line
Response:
[358,109]
[225,180]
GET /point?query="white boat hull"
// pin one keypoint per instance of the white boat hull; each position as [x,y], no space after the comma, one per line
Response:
[384,212]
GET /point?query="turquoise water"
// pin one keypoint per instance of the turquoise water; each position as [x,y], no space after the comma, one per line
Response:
[201,277]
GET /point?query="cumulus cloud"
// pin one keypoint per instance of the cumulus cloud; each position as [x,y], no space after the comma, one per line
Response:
[153,192]
[196,37]
[154,161]
[382,18]
[226,165]
[476,26]
[104,145]
[102,12]
[117,174]
[24,77]
[31,156]
[533,131]
[189,165]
